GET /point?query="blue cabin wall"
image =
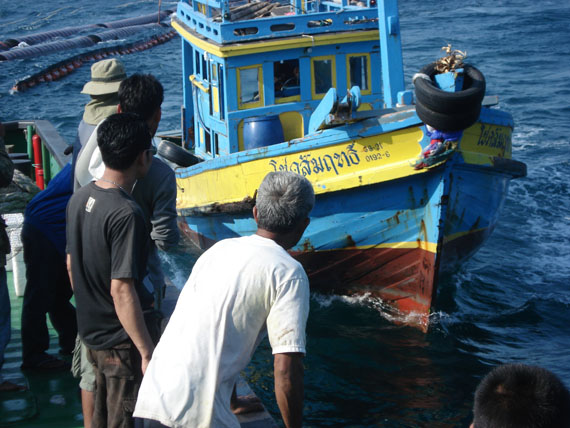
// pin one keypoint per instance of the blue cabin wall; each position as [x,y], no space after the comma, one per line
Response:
[221,134]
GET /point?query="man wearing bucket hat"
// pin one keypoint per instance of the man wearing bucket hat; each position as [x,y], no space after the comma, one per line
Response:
[48,290]
[155,193]
[106,77]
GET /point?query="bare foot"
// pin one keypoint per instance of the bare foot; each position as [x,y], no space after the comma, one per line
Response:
[246,404]
[7,386]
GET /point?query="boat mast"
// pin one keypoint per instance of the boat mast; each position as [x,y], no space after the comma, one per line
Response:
[390,51]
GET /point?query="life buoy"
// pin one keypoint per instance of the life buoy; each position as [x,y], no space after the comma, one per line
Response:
[176,154]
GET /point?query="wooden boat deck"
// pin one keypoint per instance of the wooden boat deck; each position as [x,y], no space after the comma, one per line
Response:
[53,399]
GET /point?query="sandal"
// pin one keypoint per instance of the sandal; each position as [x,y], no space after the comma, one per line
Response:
[48,364]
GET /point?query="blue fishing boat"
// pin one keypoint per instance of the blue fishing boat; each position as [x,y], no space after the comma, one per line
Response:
[406,186]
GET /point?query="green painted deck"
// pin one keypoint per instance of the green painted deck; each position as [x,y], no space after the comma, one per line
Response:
[52,399]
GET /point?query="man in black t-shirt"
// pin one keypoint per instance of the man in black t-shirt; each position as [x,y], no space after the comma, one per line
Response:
[107,246]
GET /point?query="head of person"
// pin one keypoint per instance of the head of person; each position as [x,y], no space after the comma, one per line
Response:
[106,77]
[522,396]
[125,141]
[284,201]
[142,94]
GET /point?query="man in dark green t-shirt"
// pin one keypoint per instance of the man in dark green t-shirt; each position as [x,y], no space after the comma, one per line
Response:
[107,246]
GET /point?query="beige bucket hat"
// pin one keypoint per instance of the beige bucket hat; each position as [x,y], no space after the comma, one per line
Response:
[106,76]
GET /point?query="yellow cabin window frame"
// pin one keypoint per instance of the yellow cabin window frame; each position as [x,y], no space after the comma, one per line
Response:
[260,101]
[367,91]
[332,59]
[283,100]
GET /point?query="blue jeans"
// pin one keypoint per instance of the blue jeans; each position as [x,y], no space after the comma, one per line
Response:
[5,325]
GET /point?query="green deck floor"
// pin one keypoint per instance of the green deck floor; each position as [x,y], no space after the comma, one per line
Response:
[52,399]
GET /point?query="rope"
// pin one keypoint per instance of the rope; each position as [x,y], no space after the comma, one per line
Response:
[420,76]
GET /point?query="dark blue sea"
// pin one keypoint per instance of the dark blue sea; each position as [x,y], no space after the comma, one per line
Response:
[509,303]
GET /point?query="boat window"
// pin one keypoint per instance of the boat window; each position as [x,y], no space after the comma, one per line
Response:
[220,72]
[250,91]
[214,90]
[322,75]
[216,144]
[197,61]
[359,69]
[286,78]
[208,142]
[205,66]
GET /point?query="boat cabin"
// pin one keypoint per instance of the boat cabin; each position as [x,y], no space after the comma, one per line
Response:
[252,80]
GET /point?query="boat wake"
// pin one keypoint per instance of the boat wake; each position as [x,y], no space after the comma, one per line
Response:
[384,309]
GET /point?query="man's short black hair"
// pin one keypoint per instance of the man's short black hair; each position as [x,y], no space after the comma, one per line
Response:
[121,138]
[522,396]
[142,94]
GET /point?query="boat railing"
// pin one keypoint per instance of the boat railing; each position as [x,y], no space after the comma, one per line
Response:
[217,26]
[332,5]
[55,153]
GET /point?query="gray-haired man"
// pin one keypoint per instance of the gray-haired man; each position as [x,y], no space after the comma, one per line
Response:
[239,289]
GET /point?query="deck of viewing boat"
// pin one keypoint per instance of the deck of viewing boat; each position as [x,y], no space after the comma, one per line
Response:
[53,399]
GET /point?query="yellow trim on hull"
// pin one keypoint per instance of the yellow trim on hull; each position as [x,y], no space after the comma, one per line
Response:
[482,142]
[342,166]
[448,239]
[428,246]
[238,49]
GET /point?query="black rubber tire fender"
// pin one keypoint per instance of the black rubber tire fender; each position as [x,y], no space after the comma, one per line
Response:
[446,121]
[174,153]
[437,100]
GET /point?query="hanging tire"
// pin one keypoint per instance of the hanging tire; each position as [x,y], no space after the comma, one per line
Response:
[438,100]
[447,121]
[176,154]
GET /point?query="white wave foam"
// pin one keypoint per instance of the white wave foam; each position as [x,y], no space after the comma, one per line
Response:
[175,274]
[386,311]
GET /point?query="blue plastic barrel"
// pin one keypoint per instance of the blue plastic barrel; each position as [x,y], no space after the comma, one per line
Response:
[261,131]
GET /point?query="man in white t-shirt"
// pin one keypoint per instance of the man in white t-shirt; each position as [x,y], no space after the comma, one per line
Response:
[238,291]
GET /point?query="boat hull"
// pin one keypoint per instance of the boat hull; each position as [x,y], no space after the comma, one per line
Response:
[388,239]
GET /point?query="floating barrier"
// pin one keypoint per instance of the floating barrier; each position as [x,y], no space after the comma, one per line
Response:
[34,39]
[138,20]
[47,48]
[69,65]
[76,42]
[121,33]
[42,37]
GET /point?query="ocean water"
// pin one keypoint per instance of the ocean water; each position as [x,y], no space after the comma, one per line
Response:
[509,303]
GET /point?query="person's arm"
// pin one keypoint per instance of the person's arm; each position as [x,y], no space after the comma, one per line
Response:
[288,372]
[163,217]
[69,270]
[130,315]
